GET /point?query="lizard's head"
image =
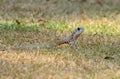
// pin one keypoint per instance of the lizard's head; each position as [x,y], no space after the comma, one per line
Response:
[78,31]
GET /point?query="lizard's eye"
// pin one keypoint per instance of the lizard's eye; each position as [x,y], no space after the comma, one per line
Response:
[78,28]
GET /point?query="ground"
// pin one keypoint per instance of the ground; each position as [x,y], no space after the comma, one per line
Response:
[95,56]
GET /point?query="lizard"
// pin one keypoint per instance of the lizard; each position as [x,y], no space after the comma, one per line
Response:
[71,39]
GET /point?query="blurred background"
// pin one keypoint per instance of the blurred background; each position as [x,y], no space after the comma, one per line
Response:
[58,9]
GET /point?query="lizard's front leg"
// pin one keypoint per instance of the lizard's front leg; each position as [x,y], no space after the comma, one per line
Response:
[72,43]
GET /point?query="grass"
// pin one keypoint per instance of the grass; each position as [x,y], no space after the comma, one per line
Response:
[43,22]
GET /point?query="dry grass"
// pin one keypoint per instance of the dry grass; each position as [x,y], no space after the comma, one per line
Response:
[59,63]
[19,26]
